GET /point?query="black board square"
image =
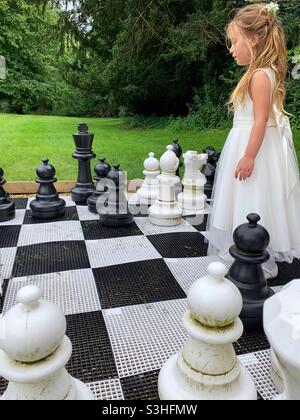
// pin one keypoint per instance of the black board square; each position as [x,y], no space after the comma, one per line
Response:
[141,387]
[92,358]
[136,283]
[9,236]
[179,244]
[93,230]
[50,257]
[70,214]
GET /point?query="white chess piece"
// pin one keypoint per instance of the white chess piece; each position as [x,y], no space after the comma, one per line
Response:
[35,350]
[207,367]
[193,197]
[276,372]
[148,193]
[166,211]
[282,328]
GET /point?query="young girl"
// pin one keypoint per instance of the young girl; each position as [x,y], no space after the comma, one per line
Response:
[258,169]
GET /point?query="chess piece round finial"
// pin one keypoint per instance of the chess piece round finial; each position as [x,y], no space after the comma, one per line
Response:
[213,300]
[251,237]
[83,128]
[33,329]
[151,163]
[29,295]
[45,171]
[117,175]
[102,169]
[169,162]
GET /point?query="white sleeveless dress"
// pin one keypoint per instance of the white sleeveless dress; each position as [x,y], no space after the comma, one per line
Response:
[272,191]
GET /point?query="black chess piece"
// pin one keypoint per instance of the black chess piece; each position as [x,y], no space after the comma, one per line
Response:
[84,154]
[213,155]
[209,169]
[115,212]
[7,207]
[178,152]
[102,170]
[47,204]
[251,241]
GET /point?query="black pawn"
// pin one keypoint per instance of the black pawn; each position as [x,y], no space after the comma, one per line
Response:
[178,152]
[7,207]
[209,169]
[84,154]
[47,204]
[102,170]
[115,212]
[251,241]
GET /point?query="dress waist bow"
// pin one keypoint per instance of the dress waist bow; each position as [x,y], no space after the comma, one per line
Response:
[290,156]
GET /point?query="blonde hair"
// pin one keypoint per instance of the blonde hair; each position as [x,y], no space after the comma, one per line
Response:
[269,52]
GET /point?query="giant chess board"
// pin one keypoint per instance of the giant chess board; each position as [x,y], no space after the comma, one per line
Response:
[123,291]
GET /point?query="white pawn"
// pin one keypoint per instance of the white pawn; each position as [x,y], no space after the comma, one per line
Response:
[193,197]
[207,367]
[35,350]
[148,193]
[166,211]
[282,328]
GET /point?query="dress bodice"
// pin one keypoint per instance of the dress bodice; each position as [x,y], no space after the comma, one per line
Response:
[244,112]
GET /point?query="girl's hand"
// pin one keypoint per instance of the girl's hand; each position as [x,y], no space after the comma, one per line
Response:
[244,168]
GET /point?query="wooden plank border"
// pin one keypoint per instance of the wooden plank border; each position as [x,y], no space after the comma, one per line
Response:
[24,187]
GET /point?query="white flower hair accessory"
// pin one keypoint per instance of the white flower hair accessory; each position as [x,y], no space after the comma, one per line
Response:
[272,8]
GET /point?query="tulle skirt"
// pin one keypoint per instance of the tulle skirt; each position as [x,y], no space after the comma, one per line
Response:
[264,193]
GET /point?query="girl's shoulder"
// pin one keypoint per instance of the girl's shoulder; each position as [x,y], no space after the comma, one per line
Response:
[269,72]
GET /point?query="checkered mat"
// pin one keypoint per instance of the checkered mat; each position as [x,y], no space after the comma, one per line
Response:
[123,292]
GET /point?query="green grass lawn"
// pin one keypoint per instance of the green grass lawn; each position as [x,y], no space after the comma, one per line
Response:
[26,139]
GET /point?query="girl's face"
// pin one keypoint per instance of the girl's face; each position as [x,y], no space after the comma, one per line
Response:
[239,49]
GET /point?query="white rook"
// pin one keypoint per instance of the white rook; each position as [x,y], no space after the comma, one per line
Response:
[193,197]
[34,351]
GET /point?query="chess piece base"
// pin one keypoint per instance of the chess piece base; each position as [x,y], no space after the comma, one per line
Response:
[80,195]
[184,388]
[46,379]
[192,201]
[82,392]
[208,190]
[252,312]
[92,201]
[7,211]
[147,196]
[116,220]
[165,214]
[48,210]
[275,372]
